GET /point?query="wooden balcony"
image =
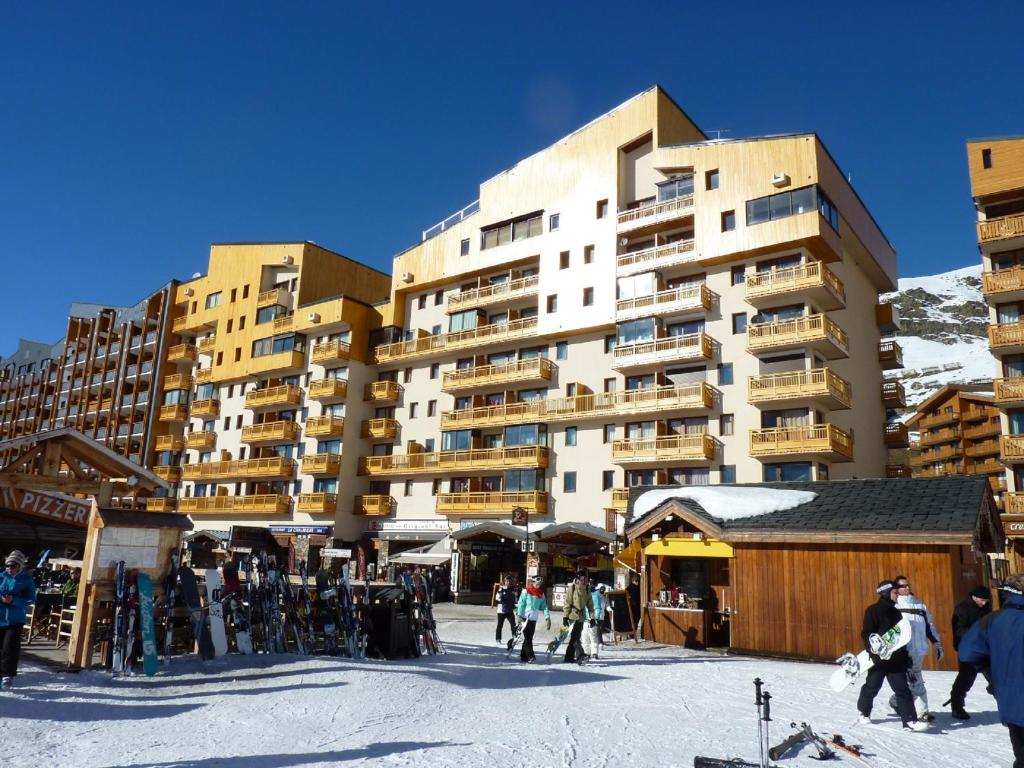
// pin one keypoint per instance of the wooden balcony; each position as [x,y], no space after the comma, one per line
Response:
[274,468]
[426,346]
[1009,391]
[273,297]
[620,498]
[1006,337]
[982,448]
[985,429]
[178,381]
[285,396]
[696,397]
[894,395]
[1003,284]
[204,376]
[382,392]
[182,353]
[970,414]
[283,323]
[321,464]
[896,435]
[161,504]
[1011,448]
[262,504]
[812,281]
[179,324]
[318,503]
[1001,228]
[655,213]
[818,441]
[894,471]
[479,503]
[470,460]
[493,294]
[986,467]
[201,441]
[818,332]
[673,301]
[280,362]
[1013,504]
[696,346]
[936,436]
[330,353]
[890,355]
[658,257]
[325,426]
[534,370]
[174,413]
[699,447]
[939,420]
[328,390]
[939,453]
[270,432]
[170,443]
[171,474]
[379,429]
[818,387]
[374,505]
[206,409]
[206,345]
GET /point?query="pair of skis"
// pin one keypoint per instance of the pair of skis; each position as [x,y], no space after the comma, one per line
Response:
[827,747]
[133,605]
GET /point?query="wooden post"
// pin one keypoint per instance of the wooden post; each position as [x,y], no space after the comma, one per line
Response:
[78,649]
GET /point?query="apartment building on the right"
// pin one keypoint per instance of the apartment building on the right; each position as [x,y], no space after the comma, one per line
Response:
[997,186]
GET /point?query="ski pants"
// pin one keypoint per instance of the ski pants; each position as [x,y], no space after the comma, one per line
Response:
[592,640]
[573,643]
[527,654]
[898,682]
[915,681]
[1017,742]
[966,674]
[10,649]
[502,618]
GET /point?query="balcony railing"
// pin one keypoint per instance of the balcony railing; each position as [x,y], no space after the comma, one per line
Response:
[182,353]
[658,257]
[379,429]
[204,376]
[939,419]
[271,432]
[283,323]
[441,342]
[987,467]
[937,436]
[890,355]
[326,390]
[1009,390]
[1003,281]
[321,464]
[940,453]
[655,212]
[1011,447]
[1014,503]
[673,300]
[171,474]
[534,369]
[534,502]
[491,294]
[812,277]
[330,352]
[1003,335]
[201,441]
[895,435]
[817,383]
[374,505]
[271,297]
[698,447]
[620,498]
[318,502]
[206,344]
[814,330]
[285,395]
[1001,228]
[447,461]
[272,468]
[178,381]
[982,448]
[209,409]
[174,413]
[170,443]
[893,394]
[264,504]
[161,504]
[694,346]
[986,428]
[289,360]
[825,439]
[382,391]
[325,426]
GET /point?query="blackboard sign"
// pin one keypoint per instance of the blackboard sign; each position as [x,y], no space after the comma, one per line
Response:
[623,621]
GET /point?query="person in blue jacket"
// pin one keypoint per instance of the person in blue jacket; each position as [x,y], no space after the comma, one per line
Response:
[17,592]
[997,641]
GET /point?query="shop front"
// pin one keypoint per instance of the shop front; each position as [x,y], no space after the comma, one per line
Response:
[484,551]
[390,538]
[566,548]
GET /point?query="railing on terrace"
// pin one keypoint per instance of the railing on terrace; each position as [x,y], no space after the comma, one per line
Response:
[1002,227]
[659,255]
[796,330]
[799,277]
[792,384]
[517,370]
[458,339]
[452,220]
[474,458]
[655,211]
[689,295]
[497,292]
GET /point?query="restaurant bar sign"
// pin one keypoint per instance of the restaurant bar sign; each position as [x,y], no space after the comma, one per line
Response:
[53,507]
[1013,526]
[301,530]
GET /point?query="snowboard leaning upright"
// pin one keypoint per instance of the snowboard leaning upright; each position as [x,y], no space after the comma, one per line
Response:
[852,666]
[150,663]
[200,627]
[215,606]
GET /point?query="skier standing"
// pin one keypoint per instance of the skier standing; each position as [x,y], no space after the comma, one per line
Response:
[923,630]
[969,611]
[592,635]
[506,603]
[531,602]
[17,591]
[578,606]
[879,619]
[996,640]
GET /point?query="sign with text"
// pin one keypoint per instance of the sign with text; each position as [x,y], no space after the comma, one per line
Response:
[408,525]
[333,552]
[53,507]
[301,529]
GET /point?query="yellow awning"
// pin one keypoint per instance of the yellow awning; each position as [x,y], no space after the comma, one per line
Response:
[689,548]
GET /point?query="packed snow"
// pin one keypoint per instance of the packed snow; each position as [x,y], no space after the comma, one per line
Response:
[955,288]
[726,503]
[641,705]
[930,365]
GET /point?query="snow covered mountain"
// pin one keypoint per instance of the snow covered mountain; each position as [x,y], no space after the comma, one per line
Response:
[944,337]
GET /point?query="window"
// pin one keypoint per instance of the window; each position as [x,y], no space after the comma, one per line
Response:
[588,297]
[725,424]
[464,247]
[607,479]
[438,298]
[986,158]
[238,421]
[526,434]
[787,472]
[266,314]
[241,323]
[231,390]
[275,345]
[435,330]
[509,231]
[431,407]
[422,301]
[234,291]
[457,440]
[552,303]
[609,343]
[738,275]
[561,350]
[435,369]
[227,423]
[563,260]
[791,203]
[602,208]
[435,487]
[727,473]
[230,323]
[569,482]
[609,434]
[570,436]
[213,300]
[407,375]
[588,254]
[739,323]
[220,358]
[610,385]
[408,488]
[711,179]
[245,291]
[428,445]
[724,373]
[464,321]
[553,222]
[728,221]
[413,407]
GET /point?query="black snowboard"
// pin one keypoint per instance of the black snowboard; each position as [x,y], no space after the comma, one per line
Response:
[200,626]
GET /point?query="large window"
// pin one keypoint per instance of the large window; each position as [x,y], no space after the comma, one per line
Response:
[213,300]
[524,480]
[526,434]
[277,344]
[325,485]
[464,321]
[791,203]
[457,440]
[636,331]
[266,314]
[509,231]
[644,284]
[670,190]
[800,470]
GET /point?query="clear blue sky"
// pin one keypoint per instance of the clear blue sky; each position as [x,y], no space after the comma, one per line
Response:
[133,135]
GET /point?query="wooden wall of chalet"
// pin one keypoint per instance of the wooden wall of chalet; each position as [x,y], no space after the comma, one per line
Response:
[809,600]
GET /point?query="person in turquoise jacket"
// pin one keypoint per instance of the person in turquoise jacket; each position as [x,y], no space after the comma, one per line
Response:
[532,602]
[17,592]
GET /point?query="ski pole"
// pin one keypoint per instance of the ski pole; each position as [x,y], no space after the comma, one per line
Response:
[759,702]
[767,719]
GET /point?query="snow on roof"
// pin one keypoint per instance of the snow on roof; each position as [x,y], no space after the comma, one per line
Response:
[726,502]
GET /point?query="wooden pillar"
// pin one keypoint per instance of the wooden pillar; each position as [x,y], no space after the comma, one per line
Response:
[80,647]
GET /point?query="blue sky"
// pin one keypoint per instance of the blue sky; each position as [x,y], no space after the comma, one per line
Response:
[133,135]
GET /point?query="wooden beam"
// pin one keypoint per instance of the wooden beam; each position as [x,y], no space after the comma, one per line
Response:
[79,651]
[64,485]
[22,458]
[50,465]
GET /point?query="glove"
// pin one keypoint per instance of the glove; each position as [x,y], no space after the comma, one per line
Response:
[565,621]
[939,653]
[593,623]
[547,623]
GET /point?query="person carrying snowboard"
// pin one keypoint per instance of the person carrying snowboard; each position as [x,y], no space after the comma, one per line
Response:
[532,602]
[17,592]
[578,606]
[967,613]
[916,612]
[879,619]
[505,599]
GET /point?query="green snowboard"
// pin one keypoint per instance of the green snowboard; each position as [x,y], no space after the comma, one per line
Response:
[150,664]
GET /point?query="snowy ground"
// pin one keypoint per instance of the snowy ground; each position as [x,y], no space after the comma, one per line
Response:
[640,705]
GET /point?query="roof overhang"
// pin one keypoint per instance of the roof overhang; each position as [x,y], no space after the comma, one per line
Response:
[490,531]
[575,533]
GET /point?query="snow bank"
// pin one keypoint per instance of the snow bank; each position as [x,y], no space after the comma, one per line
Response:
[725,502]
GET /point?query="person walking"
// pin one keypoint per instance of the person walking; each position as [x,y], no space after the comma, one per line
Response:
[578,606]
[17,592]
[505,600]
[532,602]
[592,634]
[967,613]
[924,630]
[879,618]
[997,641]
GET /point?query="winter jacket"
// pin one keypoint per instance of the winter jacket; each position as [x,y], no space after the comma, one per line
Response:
[24,590]
[531,602]
[578,604]
[966,613]
[506,599]
[920,621]
[879,618]
[598,600]
[996,641]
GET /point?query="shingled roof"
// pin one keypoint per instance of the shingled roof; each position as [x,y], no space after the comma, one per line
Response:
[956,509]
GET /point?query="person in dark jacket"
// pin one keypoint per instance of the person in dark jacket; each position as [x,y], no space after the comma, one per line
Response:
[966,614]
[633,595]
[506,600]
[997,641]
[879,619]
[17,592]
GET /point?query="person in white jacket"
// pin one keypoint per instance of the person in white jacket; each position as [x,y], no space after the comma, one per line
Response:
[923,629]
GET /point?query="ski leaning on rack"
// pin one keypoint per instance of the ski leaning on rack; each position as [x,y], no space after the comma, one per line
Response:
[120,619]
[232,596]
[150,662]
[170,594]
[200,627]
[330,610]
[353,630]
[215,608]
